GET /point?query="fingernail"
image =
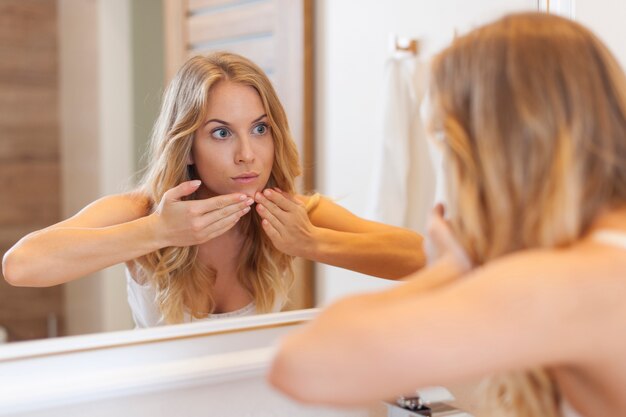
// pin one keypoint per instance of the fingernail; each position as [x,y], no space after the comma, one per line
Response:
[267,192]
[243,197]
[249,201]
[247,209]
[196,183]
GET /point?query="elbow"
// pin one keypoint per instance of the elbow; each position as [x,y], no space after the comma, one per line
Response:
[7,268]
[288,377]
[300,371]
[13,270]
[322,381]
[310,365]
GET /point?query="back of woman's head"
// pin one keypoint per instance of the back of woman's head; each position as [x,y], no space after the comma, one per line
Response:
[532,109]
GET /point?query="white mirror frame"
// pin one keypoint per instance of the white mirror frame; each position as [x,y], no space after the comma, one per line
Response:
[214,368]
[565,8]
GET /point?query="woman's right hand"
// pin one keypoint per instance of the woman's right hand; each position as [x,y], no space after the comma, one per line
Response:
[179,222]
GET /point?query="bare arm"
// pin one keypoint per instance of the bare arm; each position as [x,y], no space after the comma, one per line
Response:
[111,230]
[515,313]
[333,235]
[116,229]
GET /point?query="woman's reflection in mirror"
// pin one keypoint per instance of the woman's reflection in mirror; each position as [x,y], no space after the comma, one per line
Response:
[213,227]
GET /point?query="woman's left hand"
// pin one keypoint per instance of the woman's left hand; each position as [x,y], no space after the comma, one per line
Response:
[286,222]
[442,242]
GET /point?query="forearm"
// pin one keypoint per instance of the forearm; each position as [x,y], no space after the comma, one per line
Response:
[333,359]
[57,255]
[391,255]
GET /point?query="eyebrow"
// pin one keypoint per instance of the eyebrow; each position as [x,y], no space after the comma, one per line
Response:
[228,124]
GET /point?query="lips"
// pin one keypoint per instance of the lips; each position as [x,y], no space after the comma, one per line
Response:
[246,177]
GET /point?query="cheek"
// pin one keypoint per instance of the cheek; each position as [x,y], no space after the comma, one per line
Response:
[269,152]
[207,162]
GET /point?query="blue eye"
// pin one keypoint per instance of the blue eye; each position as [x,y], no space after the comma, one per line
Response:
[260,129]
[220,133]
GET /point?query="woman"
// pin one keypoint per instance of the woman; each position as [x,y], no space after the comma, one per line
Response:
[193,247]
[531,114]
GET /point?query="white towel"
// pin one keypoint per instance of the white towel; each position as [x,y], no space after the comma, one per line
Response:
[404,181]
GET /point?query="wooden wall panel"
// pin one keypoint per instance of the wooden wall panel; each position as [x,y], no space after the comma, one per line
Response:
[202,4]
[261,51]
[29,152]
[253,20]
[32,191]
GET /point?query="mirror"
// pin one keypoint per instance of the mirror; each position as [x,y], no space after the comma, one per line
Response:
[81,84]
[93,74]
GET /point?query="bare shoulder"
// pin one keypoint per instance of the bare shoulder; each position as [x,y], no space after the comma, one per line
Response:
[136,203]
[579,288]
[324,212]
[576,269]
[111,210]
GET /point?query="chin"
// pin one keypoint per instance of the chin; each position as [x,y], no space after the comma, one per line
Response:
[254,190]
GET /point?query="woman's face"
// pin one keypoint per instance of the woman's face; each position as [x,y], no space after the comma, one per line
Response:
[233,150]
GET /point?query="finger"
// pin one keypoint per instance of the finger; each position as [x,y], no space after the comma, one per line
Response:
[281,199]
[271,232]
[181,190]
[224,224]
[436,224]
[292,197]
[270,206]
[266,215]
[216,215]
[221,202]
[220,231]
[439,210]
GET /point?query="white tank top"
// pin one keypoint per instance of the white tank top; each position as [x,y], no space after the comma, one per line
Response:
[142,297]
[608,237]
[146,313]
[567,410]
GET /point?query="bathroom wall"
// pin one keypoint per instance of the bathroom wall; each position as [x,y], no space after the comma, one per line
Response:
[111,77]
[96,141]
[351,48]
[606,18]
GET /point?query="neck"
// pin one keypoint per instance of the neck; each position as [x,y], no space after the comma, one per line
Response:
[222,251]
[614,218]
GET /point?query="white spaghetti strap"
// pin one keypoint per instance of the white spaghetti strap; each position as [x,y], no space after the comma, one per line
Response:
[610,237]
[567,410]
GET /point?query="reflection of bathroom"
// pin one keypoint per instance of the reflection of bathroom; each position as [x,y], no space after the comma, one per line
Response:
[56,121]
[94,72]
[78,96]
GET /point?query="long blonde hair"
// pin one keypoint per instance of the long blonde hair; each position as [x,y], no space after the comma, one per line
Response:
[180,280]
[532,112]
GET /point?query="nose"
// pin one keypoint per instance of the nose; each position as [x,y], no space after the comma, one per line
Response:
[244,153]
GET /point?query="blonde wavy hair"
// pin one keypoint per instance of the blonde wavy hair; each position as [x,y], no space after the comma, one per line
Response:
[181,281]
[531,110]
